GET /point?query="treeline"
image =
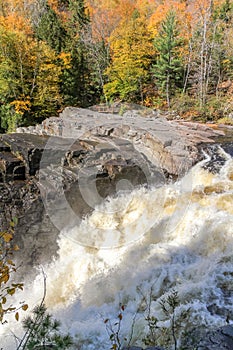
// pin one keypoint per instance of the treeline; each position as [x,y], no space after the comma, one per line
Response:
[161,54]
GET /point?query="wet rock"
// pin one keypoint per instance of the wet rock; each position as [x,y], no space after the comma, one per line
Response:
[35,234]
[4,147]
[211,339]
[219,339]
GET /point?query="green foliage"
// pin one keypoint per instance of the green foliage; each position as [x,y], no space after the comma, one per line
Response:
[42,332]
[50,30]
[224,12]
[76,87]
[226,121]
[79,16]
[9,119]
[168,69]
[77,84]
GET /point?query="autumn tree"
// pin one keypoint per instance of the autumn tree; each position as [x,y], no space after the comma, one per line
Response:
[168,69]
[76,81]
[203,49]
[210,62]
[132,51]
[104,18]
[55,53]
[29,79]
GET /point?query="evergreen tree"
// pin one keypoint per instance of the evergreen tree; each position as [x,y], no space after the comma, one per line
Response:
[224,12]
[43,332]
[79,14]
[168,69]
[77,86]
[50,29]
[62,27]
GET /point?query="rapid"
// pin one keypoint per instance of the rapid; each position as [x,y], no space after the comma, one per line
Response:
[137,247]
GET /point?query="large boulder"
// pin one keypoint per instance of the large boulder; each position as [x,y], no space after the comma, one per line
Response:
[170,145]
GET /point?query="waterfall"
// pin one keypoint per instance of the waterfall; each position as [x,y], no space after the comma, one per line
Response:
[146,242]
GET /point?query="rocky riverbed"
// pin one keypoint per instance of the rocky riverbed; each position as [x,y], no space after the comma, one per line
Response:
[85,149]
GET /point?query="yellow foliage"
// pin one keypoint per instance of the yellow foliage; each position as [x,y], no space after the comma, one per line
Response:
[24,307]
[15,19]
[182,12]
[66,59]
[7,236]
[4,278]
[21,106]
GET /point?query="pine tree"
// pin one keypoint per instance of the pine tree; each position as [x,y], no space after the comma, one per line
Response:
[79,14]
[43,332]
[168,69]
[50,29]
[77,87]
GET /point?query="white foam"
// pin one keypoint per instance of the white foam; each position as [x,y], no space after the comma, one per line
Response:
[178,236]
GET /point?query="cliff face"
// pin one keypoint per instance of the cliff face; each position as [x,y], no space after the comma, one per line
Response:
[55,172]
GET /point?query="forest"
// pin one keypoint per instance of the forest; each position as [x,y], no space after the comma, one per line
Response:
[162,54]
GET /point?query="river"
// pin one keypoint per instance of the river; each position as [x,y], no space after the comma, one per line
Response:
[138,247]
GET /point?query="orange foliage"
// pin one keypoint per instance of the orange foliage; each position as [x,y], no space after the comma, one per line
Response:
[17,23]
[200,8]
[107,15]
[14,15]
[21,106]
[161,11]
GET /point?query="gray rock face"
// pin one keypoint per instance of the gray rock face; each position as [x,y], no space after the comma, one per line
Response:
[139,348]
[52,169]
[220,339]
[132,348]
[84,149]
[28,148]
[171,145]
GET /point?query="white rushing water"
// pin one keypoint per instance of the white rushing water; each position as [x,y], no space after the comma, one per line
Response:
[143,245]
